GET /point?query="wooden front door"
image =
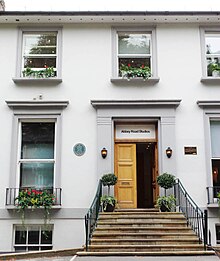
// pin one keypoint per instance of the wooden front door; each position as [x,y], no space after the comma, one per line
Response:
[125,169]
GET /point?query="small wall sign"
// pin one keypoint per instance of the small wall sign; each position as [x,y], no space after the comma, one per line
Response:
[79,149]
[190,150]
[145,131]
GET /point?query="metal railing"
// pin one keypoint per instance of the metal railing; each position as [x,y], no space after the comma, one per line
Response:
[92,214]
[212,193]
[12,193]
[195,217]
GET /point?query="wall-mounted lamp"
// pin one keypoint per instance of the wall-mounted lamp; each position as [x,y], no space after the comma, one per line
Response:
[104,153]
[169,152]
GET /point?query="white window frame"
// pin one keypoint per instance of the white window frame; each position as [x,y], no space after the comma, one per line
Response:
[150,31]
[20,51]
[203,32]
[20,161]
[35,110]
[27,228]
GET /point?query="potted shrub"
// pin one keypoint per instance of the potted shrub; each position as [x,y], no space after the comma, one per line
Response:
[166,203]
[109,180]
[108,202]
[166,181]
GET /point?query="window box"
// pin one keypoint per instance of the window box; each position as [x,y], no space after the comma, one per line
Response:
[13,193]
[149,81]
[39,54]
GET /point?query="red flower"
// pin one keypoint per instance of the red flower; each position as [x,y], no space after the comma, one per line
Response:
[29,193]
[45,66]
[142,66]
[129,65]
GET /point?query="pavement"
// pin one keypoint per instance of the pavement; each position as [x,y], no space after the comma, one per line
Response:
[145,258]
[125,258]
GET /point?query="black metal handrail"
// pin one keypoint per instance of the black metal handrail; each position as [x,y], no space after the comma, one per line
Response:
[195,217]
[92,214]
[212,194]
[12,193]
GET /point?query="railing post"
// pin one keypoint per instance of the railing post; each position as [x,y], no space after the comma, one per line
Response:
[208,195]
[205,228]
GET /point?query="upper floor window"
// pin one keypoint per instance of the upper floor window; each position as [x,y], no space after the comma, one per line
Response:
[212,54]
[37,155]
[135,53]
[40,54]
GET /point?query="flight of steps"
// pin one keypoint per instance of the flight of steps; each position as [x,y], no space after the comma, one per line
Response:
[143,232]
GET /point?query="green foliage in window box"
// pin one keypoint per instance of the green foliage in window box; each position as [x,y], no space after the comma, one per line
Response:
[214,69]
[31,198]
[128,71]
[166,203]
[45,73]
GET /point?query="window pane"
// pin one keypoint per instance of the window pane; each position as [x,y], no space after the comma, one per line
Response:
[44,43]
[217,234]
[37,175]
[215,138]
[212,44]
[37,140]
[46,237]
[20,236]
[39,62]
[33,248]
[33,236]
[46,248]
[134,44]
[20,248]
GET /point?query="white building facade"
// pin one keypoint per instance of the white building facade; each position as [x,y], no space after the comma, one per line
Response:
[63,99]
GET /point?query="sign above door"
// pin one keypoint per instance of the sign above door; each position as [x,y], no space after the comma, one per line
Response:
[135,131]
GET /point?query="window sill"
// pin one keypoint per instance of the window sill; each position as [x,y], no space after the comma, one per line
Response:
[213,205]
[29,208]
[36,80]
[210,79]
[151,80]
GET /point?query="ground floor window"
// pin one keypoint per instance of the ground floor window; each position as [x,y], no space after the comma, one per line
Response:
[33,238]
[215,154]
[217,231]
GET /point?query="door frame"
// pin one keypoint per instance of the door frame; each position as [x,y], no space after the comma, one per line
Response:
[136,141]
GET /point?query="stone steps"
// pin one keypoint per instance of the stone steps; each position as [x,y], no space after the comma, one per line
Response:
[146,248]
[143,232]
[142,241]
[141,235]
[148,253]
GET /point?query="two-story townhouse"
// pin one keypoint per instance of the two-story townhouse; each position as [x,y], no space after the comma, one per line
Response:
[64,99]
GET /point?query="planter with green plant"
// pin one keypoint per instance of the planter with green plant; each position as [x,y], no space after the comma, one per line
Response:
[129,72]
[48,72]
[214,69]
[32,198]
[108,202]
[166,203]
